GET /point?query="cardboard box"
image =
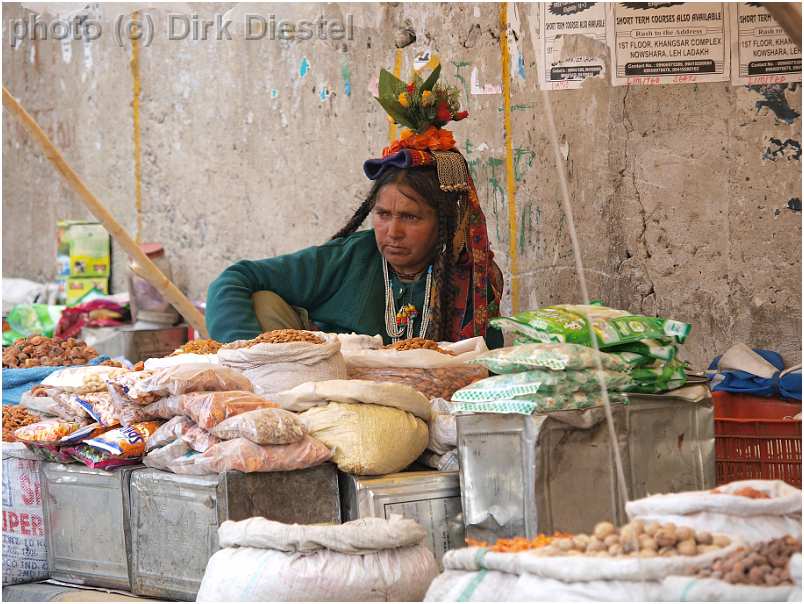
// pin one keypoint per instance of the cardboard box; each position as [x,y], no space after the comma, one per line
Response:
[90,254]
[76,288]
[63,246]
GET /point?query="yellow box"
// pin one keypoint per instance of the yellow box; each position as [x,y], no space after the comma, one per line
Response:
[76,288]
[90,254]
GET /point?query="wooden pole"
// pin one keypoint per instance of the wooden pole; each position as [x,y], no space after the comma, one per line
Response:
[147,269]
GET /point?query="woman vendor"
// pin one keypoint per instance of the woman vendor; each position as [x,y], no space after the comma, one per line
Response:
[424,270]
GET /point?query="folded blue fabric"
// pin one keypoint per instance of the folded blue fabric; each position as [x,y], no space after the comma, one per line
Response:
[743,382]
[17,382]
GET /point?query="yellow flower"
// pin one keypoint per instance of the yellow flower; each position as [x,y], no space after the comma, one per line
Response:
[404,100]
[427,98]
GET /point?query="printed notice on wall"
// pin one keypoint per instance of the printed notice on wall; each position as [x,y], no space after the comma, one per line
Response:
[564,63]
[761,51]
[669,42]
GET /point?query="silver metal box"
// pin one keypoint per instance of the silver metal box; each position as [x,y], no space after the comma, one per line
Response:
[175,519]
[524,475]
[86,515]
[431,498]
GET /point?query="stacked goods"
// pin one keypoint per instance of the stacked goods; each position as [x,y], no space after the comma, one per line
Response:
[282,359]
[40,351]
[212,431]
[373,428]
[371,559]
[649,345]
[436,370]
[625,564]
[541,378]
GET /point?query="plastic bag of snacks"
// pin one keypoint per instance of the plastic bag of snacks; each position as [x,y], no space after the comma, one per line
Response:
[539,403]
[129,413]
[243,455]
[660,377]
[199,439]
[646,352]
[98,405]
[162,457]
[262,426]
[167,432]
[558,357]
[208,409]
[52,453]
[577,323]
[98,458]
[130,388]
[82,380]
[125,443]
[167,407]
[196,377]
[67,408]
[540,383]
[48,431]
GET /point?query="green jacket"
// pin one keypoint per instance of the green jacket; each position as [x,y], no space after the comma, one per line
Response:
[340,284]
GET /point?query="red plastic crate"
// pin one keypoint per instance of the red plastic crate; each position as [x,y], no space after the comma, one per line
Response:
[753,440]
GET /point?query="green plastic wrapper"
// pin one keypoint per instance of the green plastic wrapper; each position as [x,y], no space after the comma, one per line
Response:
[661,377]
[557,357]
[31,320]
[577,324]
[539,404]
[538,383]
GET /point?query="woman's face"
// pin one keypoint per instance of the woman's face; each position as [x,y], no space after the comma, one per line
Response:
[406,228]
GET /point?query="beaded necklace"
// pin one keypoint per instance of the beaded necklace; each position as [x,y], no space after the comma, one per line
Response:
[400,323]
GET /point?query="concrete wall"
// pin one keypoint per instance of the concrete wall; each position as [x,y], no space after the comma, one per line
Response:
[254,148]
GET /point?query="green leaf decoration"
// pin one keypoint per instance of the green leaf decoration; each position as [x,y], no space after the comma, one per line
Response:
[397,112]
[431,81]
[390,86]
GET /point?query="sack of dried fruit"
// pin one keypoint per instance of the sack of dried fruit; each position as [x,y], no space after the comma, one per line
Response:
[371,559]
[765,572]
[626,564]
[279,360]
[754,510]
[436,369]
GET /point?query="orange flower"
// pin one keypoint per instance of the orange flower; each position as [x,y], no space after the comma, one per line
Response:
[432,139]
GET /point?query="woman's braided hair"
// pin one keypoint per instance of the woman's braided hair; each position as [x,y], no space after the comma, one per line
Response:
[424,181]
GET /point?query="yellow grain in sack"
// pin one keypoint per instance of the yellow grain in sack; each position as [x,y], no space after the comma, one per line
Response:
[368,439]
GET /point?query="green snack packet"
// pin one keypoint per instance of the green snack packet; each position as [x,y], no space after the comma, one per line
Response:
[34,319]
[537,383]
[663,350]
[659,378]
[539,404]
[577,324]
[557,357]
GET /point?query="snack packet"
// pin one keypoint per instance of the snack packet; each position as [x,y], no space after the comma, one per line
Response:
[49,431]
[577,324]
[98,458]
[208,409]
[125,443]
[82,434]
[557,357]
[98,405]
[51,453]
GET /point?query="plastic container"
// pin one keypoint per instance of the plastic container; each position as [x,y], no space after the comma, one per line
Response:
[753,440]
[147,304]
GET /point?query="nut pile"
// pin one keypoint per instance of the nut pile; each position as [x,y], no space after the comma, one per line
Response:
[39,351]
[637,539]
[764,564]
[441,382]
[418,344]
[15,417]
[112,363]
[278,336]
[198,347]
[744,492]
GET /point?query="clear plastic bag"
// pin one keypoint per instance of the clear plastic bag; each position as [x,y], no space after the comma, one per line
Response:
[196,377]
[162,457]
[243,455]
[197,438]
[263,427]
[167,432]
[208,409]
[438,382]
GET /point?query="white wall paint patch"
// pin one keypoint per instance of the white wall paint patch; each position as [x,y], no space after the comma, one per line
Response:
[477,88]
[32,54]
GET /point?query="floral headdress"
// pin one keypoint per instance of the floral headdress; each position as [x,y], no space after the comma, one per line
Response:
[423,108]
